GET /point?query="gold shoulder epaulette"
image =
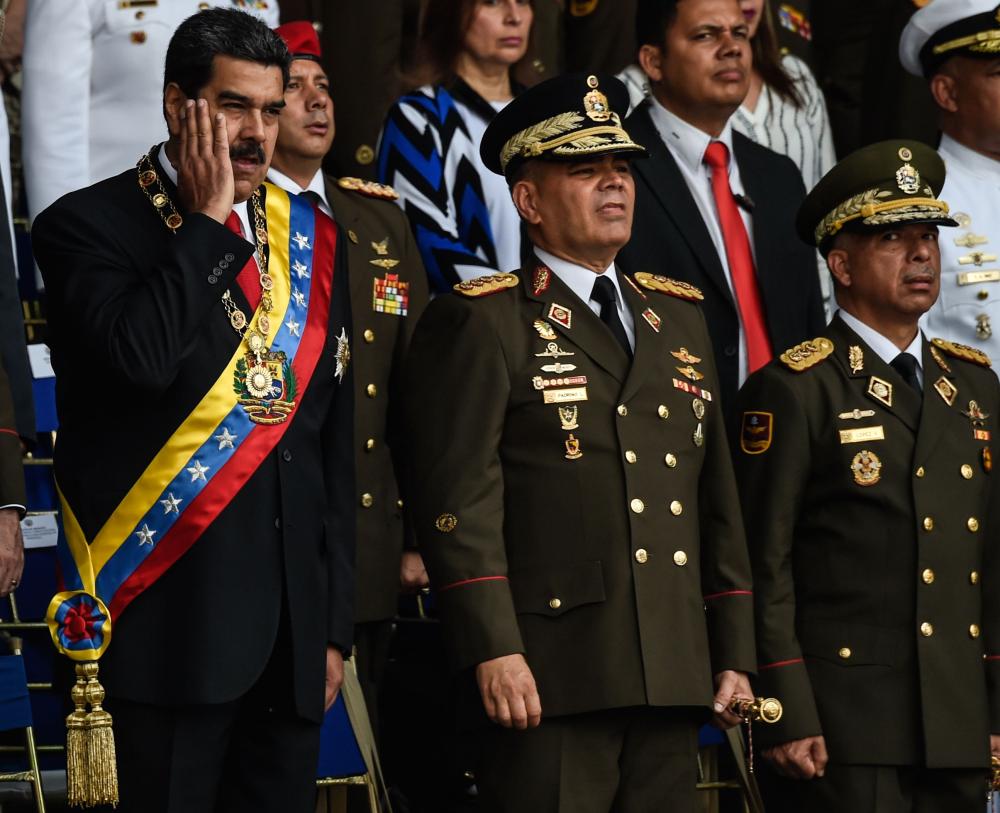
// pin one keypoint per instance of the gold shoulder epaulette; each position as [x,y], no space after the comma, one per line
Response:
[806,355]
[665,285]
[963,351]
[369,189]
[484,286]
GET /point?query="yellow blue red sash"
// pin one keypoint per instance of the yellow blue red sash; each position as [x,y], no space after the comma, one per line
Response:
[210,456]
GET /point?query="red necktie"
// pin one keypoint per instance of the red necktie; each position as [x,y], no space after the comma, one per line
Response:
[249,278]
[740,259]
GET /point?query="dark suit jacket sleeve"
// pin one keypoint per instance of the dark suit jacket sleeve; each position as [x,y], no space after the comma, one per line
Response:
[815,314]
[457,357]
[139,323]
[726,579]
[339,463]
[772,486]
[411,268]
[11,474]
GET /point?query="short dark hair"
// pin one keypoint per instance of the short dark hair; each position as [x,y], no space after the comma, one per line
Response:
[652,19]
[220,32]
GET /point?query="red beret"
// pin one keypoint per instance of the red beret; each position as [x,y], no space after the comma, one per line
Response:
[301,39]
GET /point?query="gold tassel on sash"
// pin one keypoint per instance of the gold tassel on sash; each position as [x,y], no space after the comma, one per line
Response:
[91,768]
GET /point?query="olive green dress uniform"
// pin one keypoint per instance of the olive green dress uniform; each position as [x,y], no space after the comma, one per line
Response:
[592,533]
[389,292]
[869,510]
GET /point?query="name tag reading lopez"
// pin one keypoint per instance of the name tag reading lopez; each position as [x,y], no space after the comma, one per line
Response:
[565,396]
[861,435]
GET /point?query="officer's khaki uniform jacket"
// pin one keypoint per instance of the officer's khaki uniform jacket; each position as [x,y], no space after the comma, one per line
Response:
[621,573]
[871,527]
[382,262]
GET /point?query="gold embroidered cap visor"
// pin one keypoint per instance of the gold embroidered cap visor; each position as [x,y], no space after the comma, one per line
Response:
[562,119]
[884,184]
[941,30]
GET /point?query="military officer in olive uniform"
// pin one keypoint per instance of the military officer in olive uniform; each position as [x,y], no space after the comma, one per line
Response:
[865,469]
[943,45]
[571,488]
[388,293]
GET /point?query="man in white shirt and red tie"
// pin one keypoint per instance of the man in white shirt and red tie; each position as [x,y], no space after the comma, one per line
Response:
[713,208]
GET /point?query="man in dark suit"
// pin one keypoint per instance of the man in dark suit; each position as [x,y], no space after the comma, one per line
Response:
[12,497]
[713,208]
[866,475]
[200,337]
[388,289]
[571,490]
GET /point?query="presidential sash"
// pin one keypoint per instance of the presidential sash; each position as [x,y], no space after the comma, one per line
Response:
[214,451]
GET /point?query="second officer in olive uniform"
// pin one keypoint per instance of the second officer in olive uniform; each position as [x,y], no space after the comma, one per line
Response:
[572,491]
[866,471]
[388,288]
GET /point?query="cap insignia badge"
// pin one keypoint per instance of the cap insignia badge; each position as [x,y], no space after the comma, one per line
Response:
[908,179]
[595,103]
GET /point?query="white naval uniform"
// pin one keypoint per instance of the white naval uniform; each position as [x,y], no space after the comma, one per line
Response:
[968,309]
[93,86]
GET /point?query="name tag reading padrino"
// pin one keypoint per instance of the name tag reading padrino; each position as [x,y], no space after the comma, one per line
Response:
[565,396]
[861,435]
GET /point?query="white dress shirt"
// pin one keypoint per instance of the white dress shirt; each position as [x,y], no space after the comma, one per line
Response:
[687,144]
[317,185]
[239,208]
[580,281]
[883,347]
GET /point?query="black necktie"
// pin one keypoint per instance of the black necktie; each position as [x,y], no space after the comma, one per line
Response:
[312,197]
[906,366]
[604,294]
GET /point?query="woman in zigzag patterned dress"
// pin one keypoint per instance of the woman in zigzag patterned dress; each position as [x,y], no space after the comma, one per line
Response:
[461,214]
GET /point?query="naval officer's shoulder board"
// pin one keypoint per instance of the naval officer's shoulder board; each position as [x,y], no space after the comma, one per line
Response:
[485,286]
[672,287]
[963,351]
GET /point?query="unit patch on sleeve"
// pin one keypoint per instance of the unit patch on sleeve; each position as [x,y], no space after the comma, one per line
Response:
[755,435]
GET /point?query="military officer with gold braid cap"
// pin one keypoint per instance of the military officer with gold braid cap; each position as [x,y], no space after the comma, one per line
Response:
[865,468]
[571,486]
[955,46]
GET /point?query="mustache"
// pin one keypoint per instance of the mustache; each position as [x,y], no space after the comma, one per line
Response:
[926,271]
[247,149]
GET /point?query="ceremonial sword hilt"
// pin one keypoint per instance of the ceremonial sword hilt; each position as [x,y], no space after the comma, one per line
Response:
[757,710]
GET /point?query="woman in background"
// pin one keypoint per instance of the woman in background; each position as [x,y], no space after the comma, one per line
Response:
[784,109]
[461,213]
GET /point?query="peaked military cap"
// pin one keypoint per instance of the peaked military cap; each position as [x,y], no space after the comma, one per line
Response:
[945,28]
[877,186]
[561,119]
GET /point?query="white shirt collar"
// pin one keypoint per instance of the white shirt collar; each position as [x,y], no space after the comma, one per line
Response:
[957,154]
[579,280]
[686,141]
[882,346]
[239,208]
[317,185]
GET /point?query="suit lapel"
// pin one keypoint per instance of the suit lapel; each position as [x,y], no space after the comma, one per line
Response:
[875,377]
[580,325]
[764,225]
[664,178]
